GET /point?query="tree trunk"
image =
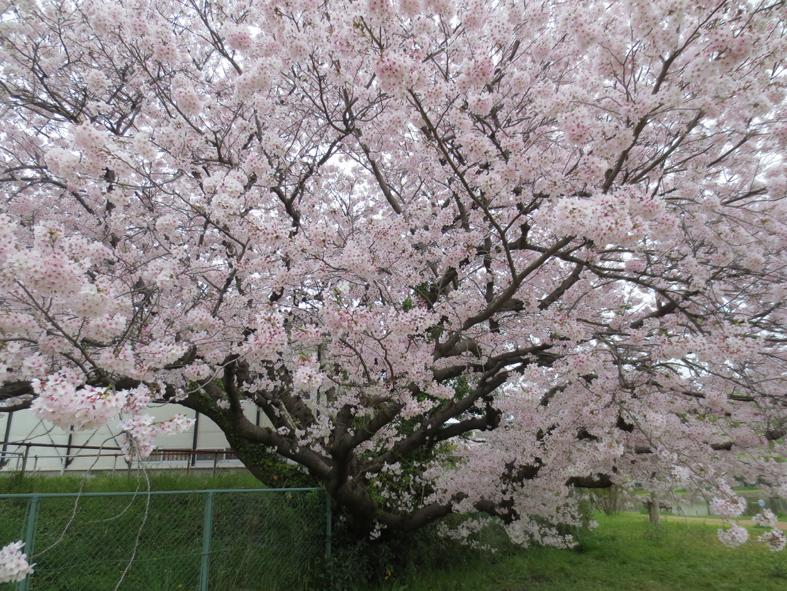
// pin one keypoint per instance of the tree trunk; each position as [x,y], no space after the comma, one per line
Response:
[654,508]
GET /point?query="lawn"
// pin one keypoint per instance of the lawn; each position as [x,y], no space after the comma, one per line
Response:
[103,482]
[259,539]
[625,553]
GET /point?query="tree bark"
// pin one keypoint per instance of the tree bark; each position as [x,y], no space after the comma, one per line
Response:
[654,508]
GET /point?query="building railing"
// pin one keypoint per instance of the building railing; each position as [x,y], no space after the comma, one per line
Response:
[29,458]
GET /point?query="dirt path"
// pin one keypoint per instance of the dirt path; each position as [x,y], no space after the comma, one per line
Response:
[781,524]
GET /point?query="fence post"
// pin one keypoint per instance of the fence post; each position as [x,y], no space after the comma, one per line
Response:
[24,460]
[206,533]
[327,526]
[32,518]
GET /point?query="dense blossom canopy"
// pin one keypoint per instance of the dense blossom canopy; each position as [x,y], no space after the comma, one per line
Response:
[462,254]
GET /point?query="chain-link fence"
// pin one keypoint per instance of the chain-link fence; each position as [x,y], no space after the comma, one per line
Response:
[180,540]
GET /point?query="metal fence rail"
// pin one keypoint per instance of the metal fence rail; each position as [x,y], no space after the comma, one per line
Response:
[48,457]
[263,539]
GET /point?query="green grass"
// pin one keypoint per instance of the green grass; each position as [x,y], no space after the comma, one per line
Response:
[625,553]
[780,516]
[260,540]
[121,482]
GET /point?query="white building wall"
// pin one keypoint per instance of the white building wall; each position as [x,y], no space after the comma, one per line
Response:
[25,427]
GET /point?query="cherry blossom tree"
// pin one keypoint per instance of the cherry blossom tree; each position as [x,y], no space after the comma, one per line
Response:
[464,255]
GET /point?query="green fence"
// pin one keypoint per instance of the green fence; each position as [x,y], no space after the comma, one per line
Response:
[241,540]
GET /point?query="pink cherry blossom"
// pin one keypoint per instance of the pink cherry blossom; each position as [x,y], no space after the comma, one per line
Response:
[774,539]
[734,536]
[13,563]
[546,239]
[729,504]
[64,404]
[765,519]
[140,432]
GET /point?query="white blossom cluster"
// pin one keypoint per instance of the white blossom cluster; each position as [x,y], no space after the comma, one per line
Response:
[774,539]
[140,432]
[765,519]
[733,537]
[728,504]
[13,563]
[60,402]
